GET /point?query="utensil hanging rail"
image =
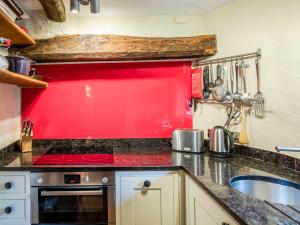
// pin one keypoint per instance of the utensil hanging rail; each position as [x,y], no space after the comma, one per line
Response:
[251,55]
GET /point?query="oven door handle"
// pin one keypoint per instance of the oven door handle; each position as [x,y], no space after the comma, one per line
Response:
[71,193]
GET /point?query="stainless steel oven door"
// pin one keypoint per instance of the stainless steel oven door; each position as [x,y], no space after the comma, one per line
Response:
[73,205]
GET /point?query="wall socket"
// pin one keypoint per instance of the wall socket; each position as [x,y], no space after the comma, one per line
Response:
[236,137]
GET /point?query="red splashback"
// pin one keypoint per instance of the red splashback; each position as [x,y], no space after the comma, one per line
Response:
[129,100]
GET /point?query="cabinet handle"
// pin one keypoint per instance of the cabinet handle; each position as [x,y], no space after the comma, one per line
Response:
[147,183]
[7,185]
[146,186]
[8,210]
[225,224]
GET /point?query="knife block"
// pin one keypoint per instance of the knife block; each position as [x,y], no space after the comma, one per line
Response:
[26,142]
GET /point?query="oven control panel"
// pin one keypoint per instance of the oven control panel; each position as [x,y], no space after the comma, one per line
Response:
[72,179]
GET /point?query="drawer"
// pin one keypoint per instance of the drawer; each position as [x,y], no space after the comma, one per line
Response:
[12,184]
[12,209]
[137,179]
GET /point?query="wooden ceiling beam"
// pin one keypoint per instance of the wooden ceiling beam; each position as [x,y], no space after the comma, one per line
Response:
[55,10]
[71,48]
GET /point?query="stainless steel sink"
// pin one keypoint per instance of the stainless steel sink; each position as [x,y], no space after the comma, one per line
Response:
[268,189]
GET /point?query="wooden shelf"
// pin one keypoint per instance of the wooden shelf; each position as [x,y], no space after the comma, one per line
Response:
[20,80]
[78,48]
[9,29]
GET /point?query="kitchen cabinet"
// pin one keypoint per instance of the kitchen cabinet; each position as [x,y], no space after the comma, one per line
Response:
[148,198]
[14,198]
[201,209]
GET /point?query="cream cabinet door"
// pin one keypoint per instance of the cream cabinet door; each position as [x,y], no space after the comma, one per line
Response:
[14,198]
[138,204]
[201,209]
[200,216]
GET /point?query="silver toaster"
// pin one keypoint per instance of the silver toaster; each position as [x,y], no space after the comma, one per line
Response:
[188,140]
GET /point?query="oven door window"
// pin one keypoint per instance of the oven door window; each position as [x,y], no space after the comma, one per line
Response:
[73,205]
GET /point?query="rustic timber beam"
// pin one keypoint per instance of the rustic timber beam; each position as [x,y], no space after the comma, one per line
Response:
[72,48]
[55,10]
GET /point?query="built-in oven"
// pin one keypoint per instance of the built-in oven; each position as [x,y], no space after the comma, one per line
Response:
[73,198]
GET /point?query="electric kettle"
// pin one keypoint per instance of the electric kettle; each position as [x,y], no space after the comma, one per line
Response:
[221,142]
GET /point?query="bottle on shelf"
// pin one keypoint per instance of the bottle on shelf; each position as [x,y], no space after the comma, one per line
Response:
[5,43]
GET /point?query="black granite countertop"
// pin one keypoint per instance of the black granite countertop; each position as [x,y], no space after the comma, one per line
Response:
[210,173]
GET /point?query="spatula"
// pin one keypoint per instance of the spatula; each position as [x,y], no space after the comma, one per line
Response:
[258,100]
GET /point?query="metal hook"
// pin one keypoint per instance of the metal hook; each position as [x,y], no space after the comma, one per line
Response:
[240,60]
[231,61]
[258,57]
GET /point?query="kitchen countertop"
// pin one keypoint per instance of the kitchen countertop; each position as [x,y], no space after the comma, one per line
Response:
[210,173]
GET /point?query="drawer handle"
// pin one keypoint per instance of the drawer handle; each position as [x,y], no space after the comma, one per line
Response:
[7,185]
[147,183]
[8,210]
[146,186]
[225,224]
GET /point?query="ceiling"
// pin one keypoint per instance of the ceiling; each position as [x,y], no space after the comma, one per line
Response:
[140,7]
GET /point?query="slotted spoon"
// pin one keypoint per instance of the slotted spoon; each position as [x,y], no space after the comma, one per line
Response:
[259,101]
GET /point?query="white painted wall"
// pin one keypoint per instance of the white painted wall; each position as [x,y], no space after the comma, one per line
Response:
[141,8]
[161,26]
[273,26]
[9,113]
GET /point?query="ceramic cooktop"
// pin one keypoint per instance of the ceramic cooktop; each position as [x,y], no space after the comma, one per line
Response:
[75,156]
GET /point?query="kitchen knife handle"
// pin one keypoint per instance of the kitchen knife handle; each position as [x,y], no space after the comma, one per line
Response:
[24,125]
[30,129]
[27,127]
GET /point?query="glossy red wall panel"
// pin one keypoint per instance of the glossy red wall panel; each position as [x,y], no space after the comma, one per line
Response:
[130,100]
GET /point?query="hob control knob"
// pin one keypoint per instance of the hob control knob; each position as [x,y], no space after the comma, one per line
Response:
[40,180]
[104,180]
[86,179]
